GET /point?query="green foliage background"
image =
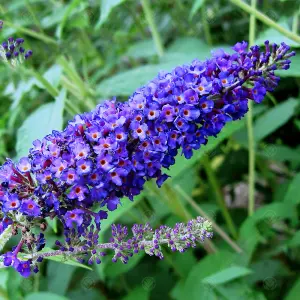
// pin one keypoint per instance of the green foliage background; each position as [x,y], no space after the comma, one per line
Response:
[86,51]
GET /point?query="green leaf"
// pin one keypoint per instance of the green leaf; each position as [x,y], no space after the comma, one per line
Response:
[227,274]
[271,120]
[275,36]
[182,51]
[196,6]
[3,279]
[238,290]
[106,8]
[142,49]
[68,11]
[294,292]
[293,71]
[41,122]
[18,93]
[53,75]
[189,48]
[249,236]
[281,153]
[138,293]
[295,241]
[194,287]
[292,195]
[177,291]
[59,277]
[273,212]
[5,236]
[44,296]
[267,268]
[125,83]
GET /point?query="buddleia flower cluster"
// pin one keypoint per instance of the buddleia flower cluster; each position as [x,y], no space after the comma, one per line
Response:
[12,50]
[80,174]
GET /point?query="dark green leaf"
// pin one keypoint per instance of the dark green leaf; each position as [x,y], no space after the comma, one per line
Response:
[139,293]
[271,120]
[182,164]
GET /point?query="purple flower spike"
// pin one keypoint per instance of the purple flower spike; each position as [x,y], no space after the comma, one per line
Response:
[79,174]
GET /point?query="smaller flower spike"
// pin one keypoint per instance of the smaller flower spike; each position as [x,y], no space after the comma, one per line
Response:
[12,51]
[124,245]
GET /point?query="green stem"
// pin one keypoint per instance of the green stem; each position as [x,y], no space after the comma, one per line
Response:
[155,34]
[35,19]
[206,28]
[37,35]
[263,18]
[295,22]
[272,98]
[136,19]
[219,196]
[251,142]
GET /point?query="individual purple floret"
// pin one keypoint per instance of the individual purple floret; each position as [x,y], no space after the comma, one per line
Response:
[110,152]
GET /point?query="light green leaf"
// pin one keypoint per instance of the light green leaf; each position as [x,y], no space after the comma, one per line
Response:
[125,83]
[294,70]
[141,49]
[196,6]
[106,8]
[44,296]
[182,51]
[275,36]
[5,236]
[294,292]
[194,48]
[41,122]
[53,75]
[226,275]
